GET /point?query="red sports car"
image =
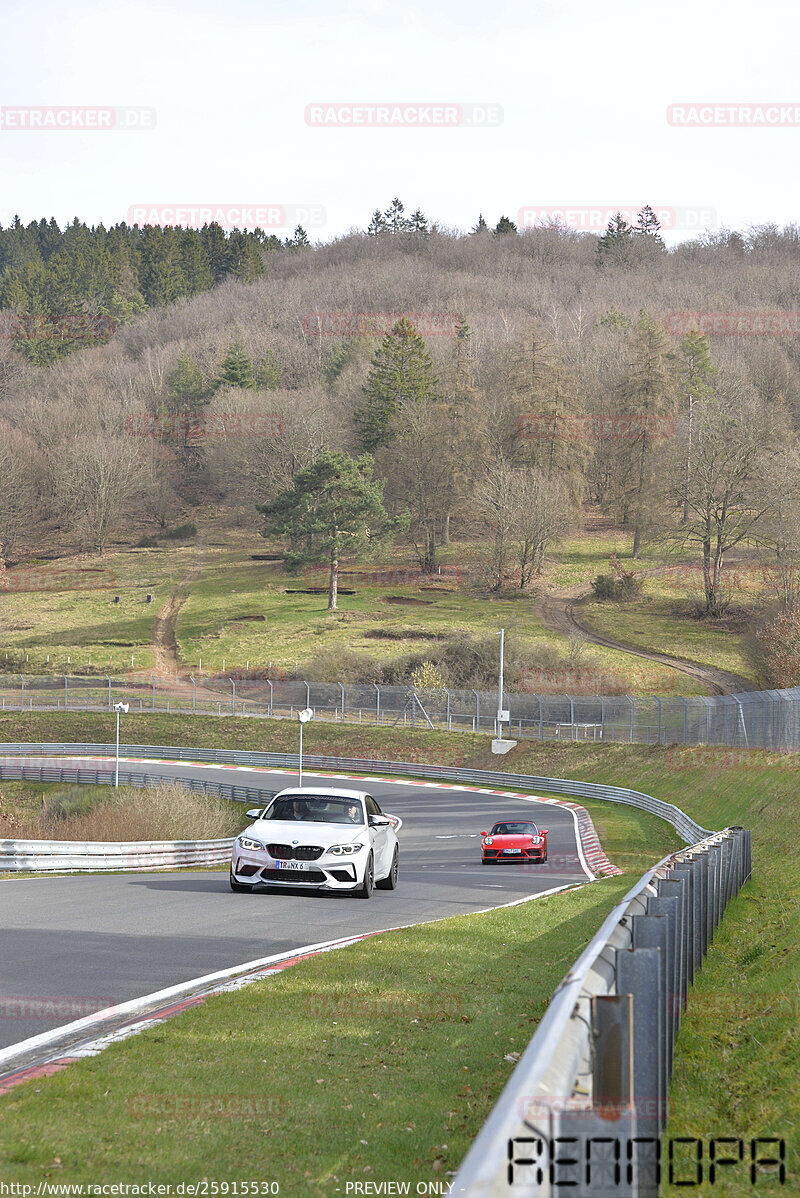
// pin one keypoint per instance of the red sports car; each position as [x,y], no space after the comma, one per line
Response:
[514,840]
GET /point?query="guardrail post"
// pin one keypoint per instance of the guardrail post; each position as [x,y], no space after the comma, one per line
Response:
[652,932]
[687,870]
[677,886]
[639,975]
[668,907]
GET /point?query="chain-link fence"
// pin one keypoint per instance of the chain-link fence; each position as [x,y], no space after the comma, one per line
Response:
[755,719]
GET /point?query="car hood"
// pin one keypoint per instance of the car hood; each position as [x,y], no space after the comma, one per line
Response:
[278,831]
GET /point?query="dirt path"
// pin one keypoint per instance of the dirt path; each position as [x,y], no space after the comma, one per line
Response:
[165,645]
[556,610]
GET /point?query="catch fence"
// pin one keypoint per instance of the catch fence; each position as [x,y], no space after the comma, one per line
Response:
[753,719]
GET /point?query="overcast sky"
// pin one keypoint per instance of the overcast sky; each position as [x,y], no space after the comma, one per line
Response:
[575,103]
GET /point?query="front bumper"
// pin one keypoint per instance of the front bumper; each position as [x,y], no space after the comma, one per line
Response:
[258,869]
[538,853]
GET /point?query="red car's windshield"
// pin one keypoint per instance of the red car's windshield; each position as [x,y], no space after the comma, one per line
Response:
[514,829]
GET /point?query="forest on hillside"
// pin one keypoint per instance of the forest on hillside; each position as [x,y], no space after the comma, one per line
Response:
[500,380]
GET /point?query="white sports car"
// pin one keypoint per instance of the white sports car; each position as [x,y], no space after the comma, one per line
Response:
[323,839]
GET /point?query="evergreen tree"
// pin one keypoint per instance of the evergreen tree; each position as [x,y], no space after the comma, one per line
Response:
[648,225]
[617,234]
[396,222]
[377,224]
[647,390]
[503,226]
[334,507]
[236,369]
[401,370]
[481,226]
[418,222]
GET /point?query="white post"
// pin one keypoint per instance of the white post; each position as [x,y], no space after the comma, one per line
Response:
[300,762]
[500,686]
[116,772]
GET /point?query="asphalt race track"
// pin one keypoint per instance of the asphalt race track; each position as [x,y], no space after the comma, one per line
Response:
[93,940]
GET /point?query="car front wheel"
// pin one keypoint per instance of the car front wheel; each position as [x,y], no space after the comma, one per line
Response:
[365,889]
[390,882]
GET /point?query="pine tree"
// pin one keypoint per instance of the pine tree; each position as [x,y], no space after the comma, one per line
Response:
[648,224]
[418,222]
[504,226]
[334,507]
[395,221]
[481,226]
[401,370]
[236,369]
[648,392]
[377,224]
[618,233]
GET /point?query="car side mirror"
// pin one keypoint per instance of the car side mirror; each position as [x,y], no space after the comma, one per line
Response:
[543,831]
[378,821]
[484,833]
[254,813]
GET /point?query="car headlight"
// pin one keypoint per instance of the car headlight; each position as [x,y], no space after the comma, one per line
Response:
[488,840]
[537,839]
[245,842]
[345,849]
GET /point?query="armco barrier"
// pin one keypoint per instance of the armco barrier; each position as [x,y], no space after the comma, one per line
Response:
[586,1105]
[687,829]
[61,856]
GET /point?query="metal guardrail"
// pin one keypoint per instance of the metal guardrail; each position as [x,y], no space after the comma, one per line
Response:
[61,856]
[687,828]
[586,1105]
[766,719]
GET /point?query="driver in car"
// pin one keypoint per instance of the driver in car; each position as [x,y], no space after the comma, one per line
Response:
[352,814]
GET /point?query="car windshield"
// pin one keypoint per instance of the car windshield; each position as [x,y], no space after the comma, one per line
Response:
[317,809]
[514,829]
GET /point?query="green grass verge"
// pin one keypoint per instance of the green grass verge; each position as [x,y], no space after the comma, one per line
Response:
[381,1063]
[737,1062]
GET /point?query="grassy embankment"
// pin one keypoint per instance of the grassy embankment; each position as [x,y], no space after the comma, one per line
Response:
[240,610]
[420,1027]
